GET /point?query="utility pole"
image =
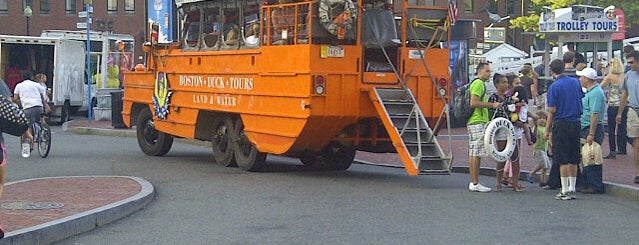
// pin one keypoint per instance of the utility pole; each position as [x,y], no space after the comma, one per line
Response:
[88,9]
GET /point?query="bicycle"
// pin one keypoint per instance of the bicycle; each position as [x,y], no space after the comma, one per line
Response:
[42,138]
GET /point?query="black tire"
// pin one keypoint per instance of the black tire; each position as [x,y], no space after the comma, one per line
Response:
[221,142]
[246,154]
[65,115]
[44,144]
[338,157]
[151,141]
[334,157]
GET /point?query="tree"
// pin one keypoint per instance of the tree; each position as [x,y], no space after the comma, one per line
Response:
[630,9]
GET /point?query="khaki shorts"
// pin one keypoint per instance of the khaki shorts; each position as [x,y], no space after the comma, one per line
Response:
[632,124]
[476,140]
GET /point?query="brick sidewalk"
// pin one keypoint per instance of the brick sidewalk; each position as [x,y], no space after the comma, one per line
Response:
[620,170]
[29,203]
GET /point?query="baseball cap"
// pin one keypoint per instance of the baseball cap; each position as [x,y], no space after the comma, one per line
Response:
[588,72]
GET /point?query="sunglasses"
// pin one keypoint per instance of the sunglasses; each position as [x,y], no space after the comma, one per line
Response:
[631,62]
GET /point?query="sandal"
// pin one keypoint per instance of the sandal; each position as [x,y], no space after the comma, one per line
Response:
[505,182]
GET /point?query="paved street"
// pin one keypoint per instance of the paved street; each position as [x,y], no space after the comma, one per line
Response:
[199,202]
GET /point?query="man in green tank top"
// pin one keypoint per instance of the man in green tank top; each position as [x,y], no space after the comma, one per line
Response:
[476,125]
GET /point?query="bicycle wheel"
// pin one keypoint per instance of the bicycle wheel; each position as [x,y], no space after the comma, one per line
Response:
[44,141]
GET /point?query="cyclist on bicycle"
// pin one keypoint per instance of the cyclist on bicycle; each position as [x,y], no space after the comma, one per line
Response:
[32,98]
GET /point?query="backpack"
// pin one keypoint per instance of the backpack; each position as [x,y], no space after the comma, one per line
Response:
[461,108]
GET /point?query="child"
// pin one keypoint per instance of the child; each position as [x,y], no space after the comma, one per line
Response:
[540,151]
[522,107]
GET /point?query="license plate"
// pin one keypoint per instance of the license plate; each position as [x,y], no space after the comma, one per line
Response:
[332,51]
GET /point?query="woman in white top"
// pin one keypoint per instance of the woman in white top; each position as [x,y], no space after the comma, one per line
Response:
[616,132]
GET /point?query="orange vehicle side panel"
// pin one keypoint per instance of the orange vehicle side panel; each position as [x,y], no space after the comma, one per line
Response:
[420,82]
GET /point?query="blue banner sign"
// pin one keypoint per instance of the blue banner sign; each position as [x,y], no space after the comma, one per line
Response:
[160,13]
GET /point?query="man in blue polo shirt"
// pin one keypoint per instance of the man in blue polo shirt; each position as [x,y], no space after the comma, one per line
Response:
[564,113]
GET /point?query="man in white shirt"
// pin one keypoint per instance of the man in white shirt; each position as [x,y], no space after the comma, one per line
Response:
[29,94]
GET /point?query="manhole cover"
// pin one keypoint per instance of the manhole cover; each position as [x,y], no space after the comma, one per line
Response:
[26,205]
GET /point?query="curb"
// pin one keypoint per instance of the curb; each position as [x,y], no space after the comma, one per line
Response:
[121,133]
[98,131]
[626,192]
[59,229]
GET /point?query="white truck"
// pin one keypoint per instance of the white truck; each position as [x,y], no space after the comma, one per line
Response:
[111,55]
[62,60]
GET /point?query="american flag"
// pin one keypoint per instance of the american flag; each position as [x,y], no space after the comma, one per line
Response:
[452,11]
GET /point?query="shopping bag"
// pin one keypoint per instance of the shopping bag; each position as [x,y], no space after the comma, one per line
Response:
[591,154]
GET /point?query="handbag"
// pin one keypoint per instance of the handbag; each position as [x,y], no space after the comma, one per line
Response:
[12,119]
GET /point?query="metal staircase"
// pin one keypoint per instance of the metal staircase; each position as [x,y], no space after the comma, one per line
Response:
[413,139]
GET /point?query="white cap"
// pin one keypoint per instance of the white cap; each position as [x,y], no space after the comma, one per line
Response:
[588,72]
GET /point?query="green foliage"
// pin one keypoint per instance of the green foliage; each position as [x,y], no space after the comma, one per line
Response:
[630,9]
[527,23]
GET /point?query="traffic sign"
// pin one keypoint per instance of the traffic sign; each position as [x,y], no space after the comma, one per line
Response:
[82,14]
[81,25]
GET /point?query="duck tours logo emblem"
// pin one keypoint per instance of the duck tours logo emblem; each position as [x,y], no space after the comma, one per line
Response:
[161,96]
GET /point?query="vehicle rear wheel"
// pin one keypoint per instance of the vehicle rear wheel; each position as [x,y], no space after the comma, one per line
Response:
[151,141]
[44,143]
[334,157]
[338,157]
[221,142]
[246,154]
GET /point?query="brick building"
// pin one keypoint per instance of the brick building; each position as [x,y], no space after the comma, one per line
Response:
[118,16]
[128,17]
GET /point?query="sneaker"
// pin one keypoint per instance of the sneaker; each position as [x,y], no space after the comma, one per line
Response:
[531,179]
[560,195]
[570,195]
[26,149]
[478,187]
[622,152]
[566,196]
[611,155]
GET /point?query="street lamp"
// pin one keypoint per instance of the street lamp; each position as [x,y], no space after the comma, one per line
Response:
[28,13]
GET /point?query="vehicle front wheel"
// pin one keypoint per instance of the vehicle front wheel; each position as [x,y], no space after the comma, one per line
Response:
[151,141]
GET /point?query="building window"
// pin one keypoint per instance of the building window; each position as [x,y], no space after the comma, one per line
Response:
[44,7]
[26,3]
[112,6]
[510,8]
[469,6]
[70,6]
[129,5]
[4,8]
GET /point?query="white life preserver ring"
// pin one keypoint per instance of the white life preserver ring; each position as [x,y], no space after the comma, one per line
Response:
[489,139]
[326,18]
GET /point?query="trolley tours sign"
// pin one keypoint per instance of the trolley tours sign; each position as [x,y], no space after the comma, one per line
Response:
[579,18]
